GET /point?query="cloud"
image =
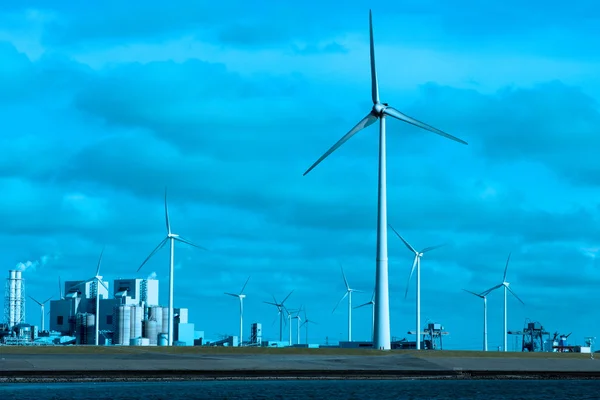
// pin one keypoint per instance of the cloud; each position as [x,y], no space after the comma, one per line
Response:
[33,265]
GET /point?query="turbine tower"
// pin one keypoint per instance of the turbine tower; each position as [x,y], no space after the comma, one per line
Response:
[280,308]
[380,111]
[417,264]
[42,304]
[171,238]
[241,296]
[349,295]
[506,289]
[485,333]
[298,319]
[372,304]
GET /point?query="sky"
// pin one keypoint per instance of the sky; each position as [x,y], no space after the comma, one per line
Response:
[103,105]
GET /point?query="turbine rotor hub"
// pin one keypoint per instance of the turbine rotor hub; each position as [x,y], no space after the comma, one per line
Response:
[378,109]
[172,235]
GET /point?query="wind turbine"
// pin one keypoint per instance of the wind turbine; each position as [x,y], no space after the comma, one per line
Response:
[42,308]
[171,238]
[241,296]
[485,333]
[506,288]
[380,111]
[99,282]
[305,323]
[417,264]
[372,304]
[280,308]
[349,295]
[298,321]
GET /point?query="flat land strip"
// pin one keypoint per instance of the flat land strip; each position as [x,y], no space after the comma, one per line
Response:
[113,363]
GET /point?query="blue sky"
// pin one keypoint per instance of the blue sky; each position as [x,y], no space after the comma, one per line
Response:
[102,106]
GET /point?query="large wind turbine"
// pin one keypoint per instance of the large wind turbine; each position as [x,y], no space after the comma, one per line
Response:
[380,111]
[417,264]
[280,308]
[372,304]
[171,238]
[506,288]
[485,333]
[241,296]
[349,295]
[42,304]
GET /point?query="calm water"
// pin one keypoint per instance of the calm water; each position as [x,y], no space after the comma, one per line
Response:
[289,390]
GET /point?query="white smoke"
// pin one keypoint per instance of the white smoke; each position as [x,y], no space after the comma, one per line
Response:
[152,276]
[33,265]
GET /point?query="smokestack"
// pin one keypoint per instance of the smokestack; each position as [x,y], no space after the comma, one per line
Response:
[15,299]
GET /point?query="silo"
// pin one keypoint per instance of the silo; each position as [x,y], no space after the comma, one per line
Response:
[90,328]
[150,330]
[137,313]
[165,319]
[123,325]
[162,339]
[158,313]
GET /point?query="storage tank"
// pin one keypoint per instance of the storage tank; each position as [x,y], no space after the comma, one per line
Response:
[162,339]
[137,313]
[158,316]
[150,331]
[122,325]
[135,341]
[90,329]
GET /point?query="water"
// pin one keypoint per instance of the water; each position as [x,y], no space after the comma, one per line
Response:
[301,389]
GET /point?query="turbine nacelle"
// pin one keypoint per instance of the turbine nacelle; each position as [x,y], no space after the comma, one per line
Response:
[379,109]
[172,235]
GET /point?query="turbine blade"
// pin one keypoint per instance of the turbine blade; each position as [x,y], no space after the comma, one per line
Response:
[366,121]
[473,293]
[231,294]
[426,249]
[374,83]
[404,241]
[268,302]
[48,299]
[344,276]
[338,303]
[156,249]
[167,213]
[506,267]
[514,294]
[244,287]
[362,305]
[412,270]
[286,297]
[100,261]
[35,300]
[486,292]
[373,296]
[102,283]
[186,241]
[392,112]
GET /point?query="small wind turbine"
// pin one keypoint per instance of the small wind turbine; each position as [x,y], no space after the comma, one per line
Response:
[42,309]
[171,238]
[379,112]
[241,296]
[506,288]
[97,279]
[305,323]
[417,264]
[372,304]
[280,308]
[349,295]
[485,333]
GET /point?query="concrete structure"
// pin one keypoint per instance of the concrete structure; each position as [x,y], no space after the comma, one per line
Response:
[14,299]
[256,334]
[185,333]
[137,291]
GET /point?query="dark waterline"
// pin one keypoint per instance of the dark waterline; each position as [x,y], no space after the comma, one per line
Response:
[290,390]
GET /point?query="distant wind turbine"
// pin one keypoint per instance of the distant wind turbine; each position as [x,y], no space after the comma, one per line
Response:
[504,284]
[485,333]
[171,238]
[280,308]
[417,264]
[379,112]
[349,295]
[298,319]
[97,279]
[241,296]
[305,323]
[372,304]
[41,304]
